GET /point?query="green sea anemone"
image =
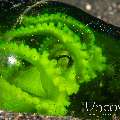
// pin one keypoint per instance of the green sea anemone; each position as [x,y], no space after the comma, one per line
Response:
[44,60]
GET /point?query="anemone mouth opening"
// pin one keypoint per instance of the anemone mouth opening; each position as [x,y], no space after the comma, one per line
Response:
[65,60]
